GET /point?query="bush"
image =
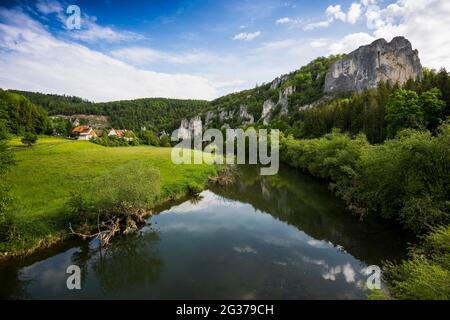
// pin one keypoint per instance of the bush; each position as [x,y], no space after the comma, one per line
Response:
[427,274]
[406,178]
[165,141]
[131,187]
[194,188]
[29,139]
[149,138]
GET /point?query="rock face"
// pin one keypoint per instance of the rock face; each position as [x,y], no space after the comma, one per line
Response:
[188,127]
[283,100]
[394,61]
[268,106]
[245,117]
[277,82]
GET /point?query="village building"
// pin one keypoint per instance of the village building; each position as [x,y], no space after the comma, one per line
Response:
[84,132]
[116,133]
[127,135]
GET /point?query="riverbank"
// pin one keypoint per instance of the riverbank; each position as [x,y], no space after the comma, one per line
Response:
[49,173]
[405,180]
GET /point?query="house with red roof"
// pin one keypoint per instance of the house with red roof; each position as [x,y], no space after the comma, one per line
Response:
[84,132]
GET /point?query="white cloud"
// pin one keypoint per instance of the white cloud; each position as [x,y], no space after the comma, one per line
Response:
[247,36]
[319,43]
[144,56]
[92,32]
[284,20]
[33,59]
[49,6]
[354,13]
[351,42]
[138,55]
[289,22]
[335,13]
[315,25]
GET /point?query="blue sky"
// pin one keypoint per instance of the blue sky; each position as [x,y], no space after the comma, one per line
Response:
[197,49]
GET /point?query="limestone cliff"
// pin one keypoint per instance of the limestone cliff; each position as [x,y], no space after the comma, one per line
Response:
[394,61]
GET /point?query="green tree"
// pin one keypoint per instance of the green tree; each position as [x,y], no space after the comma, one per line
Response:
[29,139]
[432,107]
[403,111]
[6,161]
[165,141]
[149,138]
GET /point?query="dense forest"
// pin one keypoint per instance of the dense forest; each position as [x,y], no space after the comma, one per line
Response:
[18,115]
[155,114]
[365,112]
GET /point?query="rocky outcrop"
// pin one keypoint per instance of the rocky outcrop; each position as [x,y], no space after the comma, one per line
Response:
[284,99]
[226,115]
[268,106]
[278,82]
[209,117]
[188,127]
[283,102]
[394,62]
[244,116]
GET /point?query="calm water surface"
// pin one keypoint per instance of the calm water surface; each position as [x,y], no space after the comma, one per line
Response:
[280,237]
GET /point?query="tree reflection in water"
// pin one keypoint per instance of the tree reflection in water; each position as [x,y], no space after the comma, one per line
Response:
[129,262]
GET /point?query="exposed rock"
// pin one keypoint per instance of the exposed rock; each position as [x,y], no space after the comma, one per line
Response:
[365,67]
[268,106]
[284,99]
[209,117]
[277,82]
[195,125]
[226,115]
[188,127]
[183,130]
[245,117]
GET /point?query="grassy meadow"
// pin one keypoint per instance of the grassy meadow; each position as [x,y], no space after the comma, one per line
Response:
[47,173]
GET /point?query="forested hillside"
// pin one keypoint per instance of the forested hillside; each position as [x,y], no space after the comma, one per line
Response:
[154,113]
[18,115]
[308,82]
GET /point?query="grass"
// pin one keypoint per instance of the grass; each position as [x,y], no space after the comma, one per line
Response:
[48,172]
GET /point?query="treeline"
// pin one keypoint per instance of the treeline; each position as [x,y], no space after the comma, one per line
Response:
[144,137]
[156,114]
[366,112]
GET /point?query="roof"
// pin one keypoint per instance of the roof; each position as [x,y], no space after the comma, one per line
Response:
[81,129]
[120,133]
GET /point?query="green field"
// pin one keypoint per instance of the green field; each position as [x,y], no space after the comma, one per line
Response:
[48,172]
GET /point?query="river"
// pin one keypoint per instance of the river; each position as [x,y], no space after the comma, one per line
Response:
[277,237]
